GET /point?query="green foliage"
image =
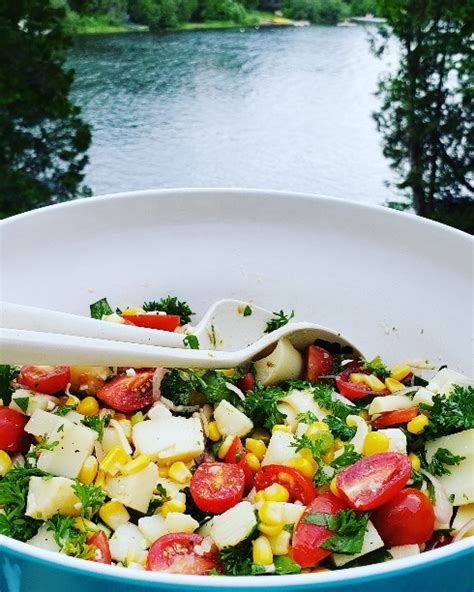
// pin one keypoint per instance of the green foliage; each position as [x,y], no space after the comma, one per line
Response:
[349,526]
[261,406]
[92,497]
[180,385]
[7,375]
[441,458]
[100,308]
[97,423]
[42,137]
[70,540]
[363,7]
[376,367]
[450,414]
[327,12]
[279,319]
[171,306]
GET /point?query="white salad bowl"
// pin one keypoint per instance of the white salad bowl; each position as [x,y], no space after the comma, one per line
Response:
[394,284]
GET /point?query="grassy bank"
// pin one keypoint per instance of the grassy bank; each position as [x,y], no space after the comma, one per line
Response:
[90,25]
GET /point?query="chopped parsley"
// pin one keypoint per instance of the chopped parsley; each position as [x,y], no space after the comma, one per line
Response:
[322,394]
[350,528]
[285,565]
[261,405]
[64,410]
[307,417]
[191,341]
[279,319]
[97,423]
[171,306]
[348,457]
[100,308]
[160,496]
[440,459]
[91,496]
[7,376]
[35,451]
[339,428]
[247,311]
[179,384]
[70,540]
[376,367]
[237,561]
[377,556]
[22,403]
[450,414]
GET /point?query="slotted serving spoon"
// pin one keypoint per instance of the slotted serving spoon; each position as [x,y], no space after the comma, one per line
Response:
[226,337]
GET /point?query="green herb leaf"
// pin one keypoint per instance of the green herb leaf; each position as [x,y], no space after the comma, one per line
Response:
[376,367]
[97,423]
[7,376]
[70,540]
[339,428]
[237,561]
[449,415]
[347,458]
[377,556]
[160,496]
[350,528]
[172,306]
[261,406]
[280,319]
[440,459]
[247,311]
[323,395]
[22,403]
[64,410]
[100,308]
[285,566]
[92,497]
[307,417]
[191,341]
[35,451]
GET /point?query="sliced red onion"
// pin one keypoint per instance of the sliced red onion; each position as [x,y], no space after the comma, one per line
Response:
[235,390]
[466,528]
[443,509]
[157,378]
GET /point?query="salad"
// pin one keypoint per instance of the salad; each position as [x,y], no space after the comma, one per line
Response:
[295,463]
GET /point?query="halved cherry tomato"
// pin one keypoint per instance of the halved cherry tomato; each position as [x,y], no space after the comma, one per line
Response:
[307,538]
[174,553]
[299,487]
[319,362]
[44,379]
[216,486]
[100,542]
[395,417]
[154,321]
[247,382]
[372,481]
[12,433]
[407,519]
[128,393]
[355,390]
[236,456]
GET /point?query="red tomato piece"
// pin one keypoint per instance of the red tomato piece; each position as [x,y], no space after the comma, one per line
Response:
[395,417]
[12,433]
[45,379]
[101,543]
[299,487]
[247,382]
[372,481]
[128,393]
[307,538]
[154,321]
[355,390]
[174,553]
[319,362]
[236,456]
[216,486]
[407,519]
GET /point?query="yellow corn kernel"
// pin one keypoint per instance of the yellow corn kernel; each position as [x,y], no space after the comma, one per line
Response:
[280,543]
[417,424]
[338,444]
[100,479]
[276,493]
[88,406]
[114,514]
[84,525]
[314,428]
[229,372]
[415,461]
[370,380]
[376,442]
[281,428]
[179,472]
[400,371]
[328,456]
[304,466]
[257,447]
[262,551]
[5,463]
[225,446]
[136,465]
[260,496]
[163,472]
[127,428]
[271,513]
[271,530]
[114,460]
[133,311]
[394,385]
[173,506]
[89,470]
[364,414]
[214,433]
[333,487]
[306,453]
[72,400]
[252,462]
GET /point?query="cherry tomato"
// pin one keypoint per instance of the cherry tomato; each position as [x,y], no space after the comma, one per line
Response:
[407,519]
[174,553]
[247,382]
[236,456]
[307,538]
[154,321]
[100,542]
[372,481]
[216,486]
[395,417]
[319,362]
[45,379]
[128,393]
[355,390]
[12,433]
[299,487]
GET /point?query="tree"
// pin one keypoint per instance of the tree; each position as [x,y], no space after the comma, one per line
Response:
[426,118]
[42,137]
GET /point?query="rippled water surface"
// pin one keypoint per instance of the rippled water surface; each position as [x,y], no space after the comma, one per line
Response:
[280,108]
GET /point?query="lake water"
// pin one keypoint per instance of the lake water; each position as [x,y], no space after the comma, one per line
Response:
[279,108]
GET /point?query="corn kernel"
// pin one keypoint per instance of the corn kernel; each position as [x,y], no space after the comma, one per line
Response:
[133,311]
[229,372]
[271,530]
[280,543]
[260,496]
[306,453]
[328,456]
[279,427]
[137,418]
[89,470]
[114,460]
[225,446]
[271,513]
[88,406]
[370,380]
[257,447]
[114,514]
[400,371]
[163,472]
[318,426]
[84,525]
[5,463]
[173,506]
[179,472]
[394,385]
[415,461]
[364,414]
[338,444]
[136,465]
[72,400]
[214,433]
[376,442]
[417,424]
[262,551]
[100,479]
[304,466]
[252,462]
[333,487]
[276,493]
